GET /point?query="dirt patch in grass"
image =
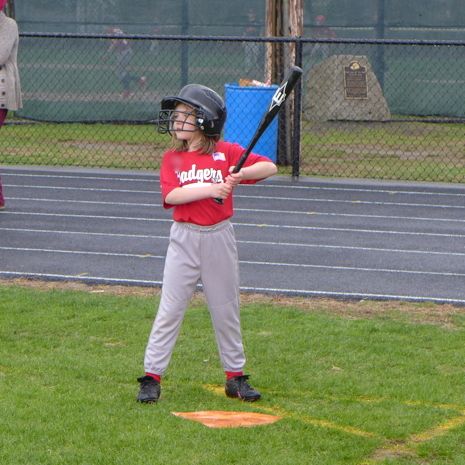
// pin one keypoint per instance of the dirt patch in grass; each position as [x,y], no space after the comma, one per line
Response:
[392,451]
[443,315]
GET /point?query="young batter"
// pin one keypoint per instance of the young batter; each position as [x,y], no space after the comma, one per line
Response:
[195,171]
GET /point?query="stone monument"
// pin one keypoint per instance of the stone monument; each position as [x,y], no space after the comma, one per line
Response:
[344,87]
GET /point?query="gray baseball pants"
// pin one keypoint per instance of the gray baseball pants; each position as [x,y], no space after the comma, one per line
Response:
[208,254]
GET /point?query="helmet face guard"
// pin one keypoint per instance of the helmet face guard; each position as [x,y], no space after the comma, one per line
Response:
[207,105]
[167,118]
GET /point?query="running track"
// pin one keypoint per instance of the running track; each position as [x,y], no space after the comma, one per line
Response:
[327,238]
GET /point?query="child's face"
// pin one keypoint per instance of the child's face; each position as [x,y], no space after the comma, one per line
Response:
[183,123]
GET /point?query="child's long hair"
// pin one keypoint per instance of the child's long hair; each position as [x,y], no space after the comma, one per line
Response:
[206,146]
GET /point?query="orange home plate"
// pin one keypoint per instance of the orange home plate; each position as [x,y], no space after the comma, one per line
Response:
[223,419]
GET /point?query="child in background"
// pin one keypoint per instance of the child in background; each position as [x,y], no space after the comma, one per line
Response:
[123,56]
[195,172]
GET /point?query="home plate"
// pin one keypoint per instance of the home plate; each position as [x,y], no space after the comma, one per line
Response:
[224,419]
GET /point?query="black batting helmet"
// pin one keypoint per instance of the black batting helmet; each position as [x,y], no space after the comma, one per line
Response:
[209,108]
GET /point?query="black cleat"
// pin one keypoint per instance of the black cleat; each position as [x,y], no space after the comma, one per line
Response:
[149,391]
[239,388]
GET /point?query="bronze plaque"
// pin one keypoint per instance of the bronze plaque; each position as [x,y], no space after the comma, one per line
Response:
[355,81]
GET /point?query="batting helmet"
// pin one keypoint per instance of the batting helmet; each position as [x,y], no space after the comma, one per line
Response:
[210,109]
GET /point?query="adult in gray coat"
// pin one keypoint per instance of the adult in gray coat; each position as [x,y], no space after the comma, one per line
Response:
[10,90]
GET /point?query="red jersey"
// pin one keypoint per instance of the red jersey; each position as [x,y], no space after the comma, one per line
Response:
[195,169]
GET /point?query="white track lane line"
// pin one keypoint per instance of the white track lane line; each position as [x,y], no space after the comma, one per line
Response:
[354,268]
[245,210]
[365,231]
[393,191]
[86,233]
[264,243]
[90,189]
[251,225]
[71,277]
[269,290]
[86,202]
[84,252]
[265,185]
[349,215]
[388,217]
[242,262]
[101,217]
[292,199]
[353,202]
[81,178]
[354,295]
[347,247]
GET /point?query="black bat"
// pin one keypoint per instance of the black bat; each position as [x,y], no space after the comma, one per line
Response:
[277,101]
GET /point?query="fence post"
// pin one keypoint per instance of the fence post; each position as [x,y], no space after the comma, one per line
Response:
[185,44]
[380,33]
[297,119]
[10,8]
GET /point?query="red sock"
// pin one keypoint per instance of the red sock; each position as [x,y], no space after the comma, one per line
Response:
[233,374]
[154,376]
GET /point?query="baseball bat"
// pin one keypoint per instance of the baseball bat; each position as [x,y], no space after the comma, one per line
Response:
[277,101]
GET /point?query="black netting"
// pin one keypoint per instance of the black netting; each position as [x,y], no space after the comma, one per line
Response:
[416,19]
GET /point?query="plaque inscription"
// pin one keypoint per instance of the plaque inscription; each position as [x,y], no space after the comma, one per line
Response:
[355,81]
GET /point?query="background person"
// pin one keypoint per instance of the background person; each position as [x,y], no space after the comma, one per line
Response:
[319,52]
[156,30]
[10,89]
[252,49]
[194,172]
[123,52]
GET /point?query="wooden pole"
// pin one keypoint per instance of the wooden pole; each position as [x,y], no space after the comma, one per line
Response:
[270,31]
[284,18]
[296,21]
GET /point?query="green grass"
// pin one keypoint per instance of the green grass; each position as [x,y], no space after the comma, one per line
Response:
[93,145]
[402,151]
[356,383]
[417,151]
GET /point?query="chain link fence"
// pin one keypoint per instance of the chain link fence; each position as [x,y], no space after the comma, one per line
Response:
[398,114]
[375,109]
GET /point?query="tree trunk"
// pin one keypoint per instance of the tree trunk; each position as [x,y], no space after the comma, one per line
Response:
[284,18]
